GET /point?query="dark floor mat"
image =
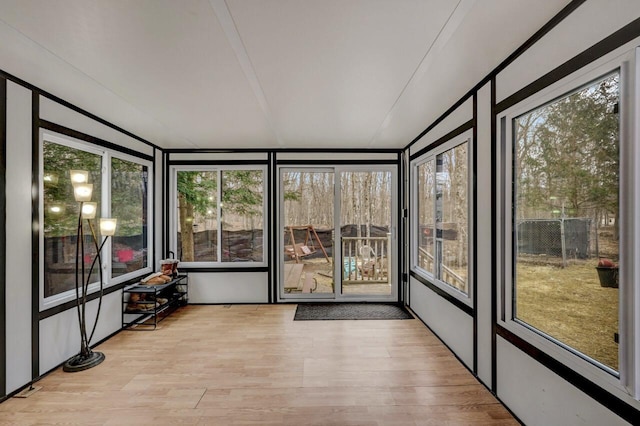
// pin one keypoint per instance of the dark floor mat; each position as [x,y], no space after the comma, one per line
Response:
[350,311]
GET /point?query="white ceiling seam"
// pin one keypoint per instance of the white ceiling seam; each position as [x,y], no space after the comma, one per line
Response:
[230,29]
[448,29]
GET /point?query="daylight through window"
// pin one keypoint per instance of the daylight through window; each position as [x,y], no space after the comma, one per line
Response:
[443,216]
[220,215]
[566,219]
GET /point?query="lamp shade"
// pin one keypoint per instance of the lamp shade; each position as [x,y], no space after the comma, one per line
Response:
[79,176]
[89,210]
[108,226]
[82,191]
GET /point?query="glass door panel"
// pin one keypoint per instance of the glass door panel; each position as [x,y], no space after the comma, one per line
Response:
[366,224]
[307,215]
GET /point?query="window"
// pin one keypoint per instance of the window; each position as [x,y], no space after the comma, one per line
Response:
[566,219]
[120,190]
[441,228]
[60,211]
[219,215]
[241,216]
[129,204]
[569,193]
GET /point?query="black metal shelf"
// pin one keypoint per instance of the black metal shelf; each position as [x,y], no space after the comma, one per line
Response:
[175,292]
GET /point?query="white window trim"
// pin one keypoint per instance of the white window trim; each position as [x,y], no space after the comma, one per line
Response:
[173,217]
[105,203]
[625,383]
[466,136]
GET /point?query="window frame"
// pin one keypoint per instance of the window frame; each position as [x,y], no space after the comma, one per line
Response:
[431,155]
[173,216]
[149,165]
[105,211]
[338,170]
[625,381]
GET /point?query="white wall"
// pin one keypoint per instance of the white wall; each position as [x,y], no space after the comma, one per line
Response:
[539,397]
[59,114]
[217,156]
[451,324]
[18,235]
[458,117]
[590,23]
[228,287]
[58,334]
[335,156]
[534,393]
[59,338]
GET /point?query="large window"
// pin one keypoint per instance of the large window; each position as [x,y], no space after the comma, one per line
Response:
[120,187]
[441,225]
[569,227]
[566,219]
[568,222]
[129,203]
[219,215]
[61,214]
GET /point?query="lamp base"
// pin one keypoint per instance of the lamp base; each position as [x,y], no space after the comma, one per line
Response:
[81,362]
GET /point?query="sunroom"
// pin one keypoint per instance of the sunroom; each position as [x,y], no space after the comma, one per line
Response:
[472,162]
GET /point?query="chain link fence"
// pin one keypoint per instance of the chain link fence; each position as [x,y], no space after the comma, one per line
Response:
[555,237]
[564,239]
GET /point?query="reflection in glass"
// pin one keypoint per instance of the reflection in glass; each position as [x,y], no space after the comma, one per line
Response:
[129,185]
[60,211]
[452,224]
[443,223]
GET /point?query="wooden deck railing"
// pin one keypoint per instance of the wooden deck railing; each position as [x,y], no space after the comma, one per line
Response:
[425,261]
[366,260]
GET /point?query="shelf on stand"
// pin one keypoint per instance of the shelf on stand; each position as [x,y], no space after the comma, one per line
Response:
[153,304]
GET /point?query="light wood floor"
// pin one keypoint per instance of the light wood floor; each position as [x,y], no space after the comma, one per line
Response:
[217,365]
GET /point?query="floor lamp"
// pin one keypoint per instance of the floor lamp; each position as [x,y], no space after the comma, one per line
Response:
[82,191]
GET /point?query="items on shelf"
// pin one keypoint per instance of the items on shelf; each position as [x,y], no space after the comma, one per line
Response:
[169,267]
[147,303]
[156,278]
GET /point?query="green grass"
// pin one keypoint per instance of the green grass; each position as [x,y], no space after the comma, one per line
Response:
[570,305]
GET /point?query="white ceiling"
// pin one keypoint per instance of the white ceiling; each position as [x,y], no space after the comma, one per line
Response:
[264,74]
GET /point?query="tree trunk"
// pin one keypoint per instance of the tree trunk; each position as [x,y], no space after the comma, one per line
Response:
[186,229]
[367,202]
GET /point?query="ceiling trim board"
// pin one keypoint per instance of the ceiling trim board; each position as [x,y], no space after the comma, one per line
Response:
[217,162]
[282,150]
[221,10]
[307,162]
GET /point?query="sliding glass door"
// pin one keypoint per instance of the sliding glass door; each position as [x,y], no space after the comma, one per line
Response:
[366,232]
[307,216]
[338,233]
